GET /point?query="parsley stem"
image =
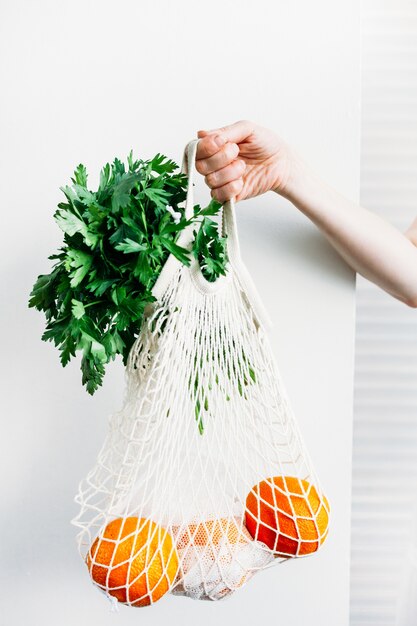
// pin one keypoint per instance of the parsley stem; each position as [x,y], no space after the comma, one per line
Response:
[105,258]
[91,303]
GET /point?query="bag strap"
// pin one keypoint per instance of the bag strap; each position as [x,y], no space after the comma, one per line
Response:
[229,229]
[228,213]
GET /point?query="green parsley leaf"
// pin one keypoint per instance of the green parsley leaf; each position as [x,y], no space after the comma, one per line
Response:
[77,309]
[115,242]
[80,262]
[128,245]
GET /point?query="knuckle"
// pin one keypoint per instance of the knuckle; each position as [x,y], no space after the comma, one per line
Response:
[226,192]
[229,154]
[220,193]
[212,145]
[236,186]
[206,147]
[246,123]
[232,151]
[211,179]
[200,166]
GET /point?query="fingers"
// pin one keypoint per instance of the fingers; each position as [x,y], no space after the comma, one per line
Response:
[209,145]
[231,190]
[216,158]
[227,182]
[226,175]
[221,158]
[235,133]
[204,133]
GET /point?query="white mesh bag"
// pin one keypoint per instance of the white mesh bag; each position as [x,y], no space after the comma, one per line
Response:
[203,478]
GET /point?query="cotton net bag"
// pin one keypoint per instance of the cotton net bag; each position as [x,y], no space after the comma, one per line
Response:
[203,478]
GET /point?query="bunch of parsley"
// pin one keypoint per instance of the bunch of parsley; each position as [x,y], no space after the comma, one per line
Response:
[116,240]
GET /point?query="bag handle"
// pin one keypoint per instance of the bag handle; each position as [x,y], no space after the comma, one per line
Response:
[229,229]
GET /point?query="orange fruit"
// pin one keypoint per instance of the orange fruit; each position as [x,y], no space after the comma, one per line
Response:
[211,532]
[134,560]
[287,514]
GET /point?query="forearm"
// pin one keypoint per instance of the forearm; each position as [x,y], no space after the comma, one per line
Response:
[368,243]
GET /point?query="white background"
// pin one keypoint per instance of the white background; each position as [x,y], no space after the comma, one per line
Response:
[86,81]
[384,534]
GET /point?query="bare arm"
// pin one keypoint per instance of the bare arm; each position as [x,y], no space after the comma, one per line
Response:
[244,160]
[411,232]
[367,242]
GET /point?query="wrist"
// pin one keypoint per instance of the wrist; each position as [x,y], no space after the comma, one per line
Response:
[295,176]
[301,183]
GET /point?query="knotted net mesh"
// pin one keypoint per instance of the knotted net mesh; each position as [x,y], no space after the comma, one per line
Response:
[203,478]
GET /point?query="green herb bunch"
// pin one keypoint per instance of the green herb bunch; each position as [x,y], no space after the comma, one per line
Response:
[116,240]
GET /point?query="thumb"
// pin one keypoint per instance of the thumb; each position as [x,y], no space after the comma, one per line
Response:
[235,133]
[204,133]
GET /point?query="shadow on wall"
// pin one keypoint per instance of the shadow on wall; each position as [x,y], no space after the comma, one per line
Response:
[282,232]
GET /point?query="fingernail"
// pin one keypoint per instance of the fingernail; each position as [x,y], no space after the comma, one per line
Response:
[219,141]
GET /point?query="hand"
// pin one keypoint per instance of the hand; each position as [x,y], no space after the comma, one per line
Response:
[243,160]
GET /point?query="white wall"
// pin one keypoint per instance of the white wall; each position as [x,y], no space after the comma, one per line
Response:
[85,81]
[384,587]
